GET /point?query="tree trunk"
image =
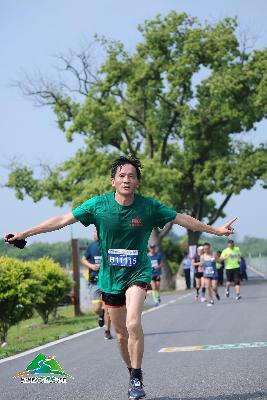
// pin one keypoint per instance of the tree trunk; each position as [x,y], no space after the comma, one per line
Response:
[193,237]
[168,279]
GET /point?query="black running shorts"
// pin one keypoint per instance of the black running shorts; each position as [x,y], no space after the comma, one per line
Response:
[119,299]
[233,275]
[198,275]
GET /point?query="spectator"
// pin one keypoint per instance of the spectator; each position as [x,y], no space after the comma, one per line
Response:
[243,269]
[187,263]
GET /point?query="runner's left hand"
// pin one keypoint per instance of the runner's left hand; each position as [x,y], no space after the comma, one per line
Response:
[226,229]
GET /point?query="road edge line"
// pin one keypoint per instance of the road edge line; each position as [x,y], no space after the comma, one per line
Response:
[75,335]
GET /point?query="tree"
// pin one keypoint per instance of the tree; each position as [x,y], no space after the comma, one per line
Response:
[178,102]
[54,286]
[18,293]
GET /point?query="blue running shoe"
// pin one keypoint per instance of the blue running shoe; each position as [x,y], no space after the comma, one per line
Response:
[136,390]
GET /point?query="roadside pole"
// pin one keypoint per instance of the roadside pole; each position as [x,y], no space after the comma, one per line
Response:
[76,275]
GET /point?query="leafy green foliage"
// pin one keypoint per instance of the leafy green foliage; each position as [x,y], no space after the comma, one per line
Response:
[178,102]
[54,286]
[18,293]
[172,252]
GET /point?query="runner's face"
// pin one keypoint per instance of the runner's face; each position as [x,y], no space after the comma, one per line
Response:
[125,180]
[206,249]
[231,245]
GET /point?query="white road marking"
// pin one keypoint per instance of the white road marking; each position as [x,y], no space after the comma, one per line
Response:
[209,347]
[25,353]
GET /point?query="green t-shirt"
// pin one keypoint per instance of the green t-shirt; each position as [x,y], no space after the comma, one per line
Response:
[123,233]
[234,256]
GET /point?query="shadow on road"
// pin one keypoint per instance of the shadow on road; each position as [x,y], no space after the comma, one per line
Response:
[171,332]
[244,396]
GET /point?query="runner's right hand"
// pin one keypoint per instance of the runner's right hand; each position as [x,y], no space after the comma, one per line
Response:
[16,236]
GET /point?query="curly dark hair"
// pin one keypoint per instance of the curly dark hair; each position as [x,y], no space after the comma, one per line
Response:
[120,161]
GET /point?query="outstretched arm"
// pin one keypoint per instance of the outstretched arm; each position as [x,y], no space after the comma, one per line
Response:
[49,225]
[195,225]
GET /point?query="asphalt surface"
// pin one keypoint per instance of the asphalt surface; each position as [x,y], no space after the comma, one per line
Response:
[98,372]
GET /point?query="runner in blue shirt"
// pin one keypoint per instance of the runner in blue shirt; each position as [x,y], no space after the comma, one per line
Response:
[92,260]
[156,264]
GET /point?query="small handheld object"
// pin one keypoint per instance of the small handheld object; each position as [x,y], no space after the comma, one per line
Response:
[20,243]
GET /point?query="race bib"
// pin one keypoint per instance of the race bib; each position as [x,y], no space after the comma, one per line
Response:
[154,263]
[122,257]
[209,267]
[233,256]
[97,259]
[209,270]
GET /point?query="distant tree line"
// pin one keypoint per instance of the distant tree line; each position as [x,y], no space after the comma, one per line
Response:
[172,246]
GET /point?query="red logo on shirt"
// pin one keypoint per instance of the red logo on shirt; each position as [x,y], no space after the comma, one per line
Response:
[136,222]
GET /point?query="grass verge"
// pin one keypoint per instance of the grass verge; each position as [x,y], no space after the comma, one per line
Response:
[33,332]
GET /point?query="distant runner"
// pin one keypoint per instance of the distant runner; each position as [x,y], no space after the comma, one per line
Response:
[232,256]
[207,259]
[91,260]
[199,278]
[156,264]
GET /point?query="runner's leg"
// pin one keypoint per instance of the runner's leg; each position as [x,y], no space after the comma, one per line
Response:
[198,283]
[135,297]
[203,289]
[107,334]
[236,274]
[153,286]
[214,284]
[158,289]
[208,287]
[118,320]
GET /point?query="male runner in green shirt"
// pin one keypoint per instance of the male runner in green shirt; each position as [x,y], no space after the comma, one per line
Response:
[231,257]
[124,221]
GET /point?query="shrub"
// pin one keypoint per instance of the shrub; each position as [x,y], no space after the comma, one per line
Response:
[18,293]
[54,286]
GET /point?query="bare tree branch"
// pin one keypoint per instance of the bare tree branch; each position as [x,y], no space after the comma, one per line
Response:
[219,210]
[129,143]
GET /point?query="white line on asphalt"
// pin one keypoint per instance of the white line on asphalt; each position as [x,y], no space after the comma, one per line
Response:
[257,272]
[44,346]
[25,353]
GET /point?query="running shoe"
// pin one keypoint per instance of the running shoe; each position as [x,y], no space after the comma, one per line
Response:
[156,304]
[108,335]
[210,303]
[238,297]
[196,297]
[136,390]
[227,293]
[101,318]
[217,296]
[203,299]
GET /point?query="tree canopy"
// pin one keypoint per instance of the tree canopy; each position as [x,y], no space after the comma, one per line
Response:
[178,102]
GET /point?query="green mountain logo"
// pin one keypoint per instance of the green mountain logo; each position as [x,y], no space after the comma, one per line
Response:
[43,365]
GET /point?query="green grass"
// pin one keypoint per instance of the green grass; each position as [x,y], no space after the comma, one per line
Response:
[32,332]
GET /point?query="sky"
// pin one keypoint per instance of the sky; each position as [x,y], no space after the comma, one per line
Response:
[33,32]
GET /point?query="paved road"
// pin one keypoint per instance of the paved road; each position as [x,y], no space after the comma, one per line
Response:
[195,375]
